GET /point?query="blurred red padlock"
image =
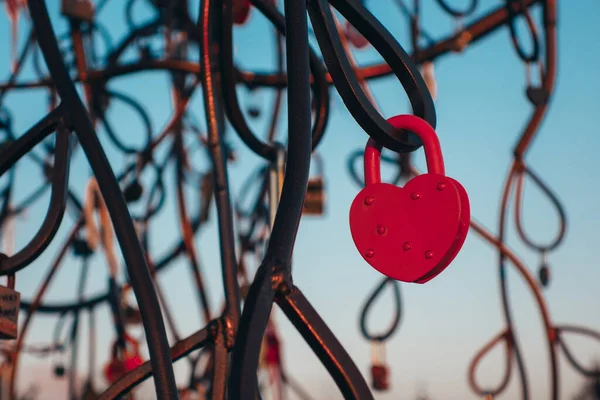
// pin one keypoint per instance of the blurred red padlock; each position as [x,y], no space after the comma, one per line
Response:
[413,233]
[241,11]
[380,372]
[130,360]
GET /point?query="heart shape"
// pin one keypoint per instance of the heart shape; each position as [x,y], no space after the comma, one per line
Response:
[411,234]
[465,221]
[538,96]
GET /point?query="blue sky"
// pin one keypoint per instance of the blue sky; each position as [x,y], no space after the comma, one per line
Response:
[481,110]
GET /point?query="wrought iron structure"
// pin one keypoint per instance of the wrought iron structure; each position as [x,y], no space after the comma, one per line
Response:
[232,341]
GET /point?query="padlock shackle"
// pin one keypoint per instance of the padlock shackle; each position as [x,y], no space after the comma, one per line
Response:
[420,127]
[128,340]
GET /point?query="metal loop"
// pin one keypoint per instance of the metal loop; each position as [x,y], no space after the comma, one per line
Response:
[229,80]
[458,13]
[512,6]
[100,112]
[347,84]
[505,337]
[562,218]
[397,311]
[559,330]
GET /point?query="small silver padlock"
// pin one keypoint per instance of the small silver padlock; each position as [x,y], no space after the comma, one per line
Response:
[314,202]
[82,10]
[10,302]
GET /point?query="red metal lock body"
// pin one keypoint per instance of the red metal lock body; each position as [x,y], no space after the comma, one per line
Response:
[241,11]
[380,377]
[131,359]
[413,233]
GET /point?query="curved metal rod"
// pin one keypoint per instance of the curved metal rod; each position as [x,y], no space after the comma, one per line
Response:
[560,329]
[324,344]
[523,170]
[35,303]
[548,81]
[359,154]
[347,84]
[186,230]
[24,144]
[505,337]
[154,327]
[144,371]
[503,284]
[523,144]
[273,278]
[230,99]
[511,7]
[506,253]
[477,30]
[56,209]
[397,311]
[215,123]
[100,112]
[458,13]
[90,304]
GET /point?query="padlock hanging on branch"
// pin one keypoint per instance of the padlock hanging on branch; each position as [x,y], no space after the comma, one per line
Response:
[82,10]
[10,302]
[314,202]
[380,372]
[410,233]
[117,366]
[537,95]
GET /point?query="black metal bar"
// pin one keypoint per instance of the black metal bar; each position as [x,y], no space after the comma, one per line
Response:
[109,187]
[56,209]
[324,344]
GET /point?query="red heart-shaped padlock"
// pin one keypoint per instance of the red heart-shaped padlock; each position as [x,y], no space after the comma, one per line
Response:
[241,11]
[410,234]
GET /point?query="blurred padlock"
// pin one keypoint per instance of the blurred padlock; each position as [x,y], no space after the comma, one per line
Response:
[314,202]
[10,301]
[82,10]
[81,247]
[133,191]
[119,366]
[59,370]
[379,370]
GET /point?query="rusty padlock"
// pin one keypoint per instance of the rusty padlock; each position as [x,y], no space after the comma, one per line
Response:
[380,372]
[82,10]
[10,301]
[118,367]
[314,202]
